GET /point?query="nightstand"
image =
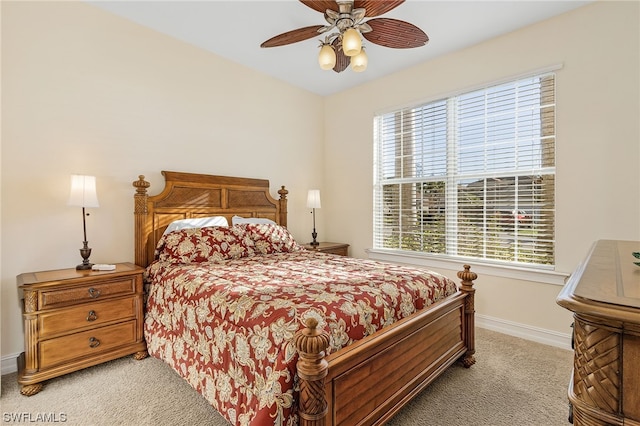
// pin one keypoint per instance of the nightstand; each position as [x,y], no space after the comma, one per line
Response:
[335,248]
[75,319]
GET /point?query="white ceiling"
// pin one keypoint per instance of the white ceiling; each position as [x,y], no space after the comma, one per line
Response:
[235,30]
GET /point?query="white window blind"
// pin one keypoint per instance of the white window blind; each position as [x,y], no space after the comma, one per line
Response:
[470,176]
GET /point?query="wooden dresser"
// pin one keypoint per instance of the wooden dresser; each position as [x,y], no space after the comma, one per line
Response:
[75,319]
[604,295]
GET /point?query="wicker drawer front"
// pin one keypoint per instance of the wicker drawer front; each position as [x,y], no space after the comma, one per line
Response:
[82,294]
[86,344]
[94,314]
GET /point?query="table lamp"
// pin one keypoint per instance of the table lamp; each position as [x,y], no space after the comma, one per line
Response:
[83,194]
[313,202]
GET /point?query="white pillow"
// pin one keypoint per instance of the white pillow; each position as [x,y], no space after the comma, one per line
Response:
[236,220]
[196,222]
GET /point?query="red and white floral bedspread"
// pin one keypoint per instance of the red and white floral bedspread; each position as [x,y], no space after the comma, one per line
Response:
[227,326]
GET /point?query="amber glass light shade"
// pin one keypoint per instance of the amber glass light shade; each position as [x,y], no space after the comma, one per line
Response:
[360,61]
[351,42]
[327,57]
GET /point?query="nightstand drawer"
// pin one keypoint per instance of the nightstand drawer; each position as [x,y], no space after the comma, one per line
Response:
[86,344]
[341,249]
[82,294]
[64,321]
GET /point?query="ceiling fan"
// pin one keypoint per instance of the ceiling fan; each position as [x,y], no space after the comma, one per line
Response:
[345,26]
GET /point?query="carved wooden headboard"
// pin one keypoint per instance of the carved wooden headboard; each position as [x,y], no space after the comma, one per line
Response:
[189,195]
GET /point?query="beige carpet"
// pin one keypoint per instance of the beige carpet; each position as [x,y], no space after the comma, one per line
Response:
[514,382]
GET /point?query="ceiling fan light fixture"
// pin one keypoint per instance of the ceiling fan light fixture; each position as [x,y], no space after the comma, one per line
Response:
[351,42]
[327,57]
[360,61]
[346,28]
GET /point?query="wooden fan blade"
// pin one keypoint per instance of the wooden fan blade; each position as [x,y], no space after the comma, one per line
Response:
[377,7]
[293,36]
[394,33]
[320,5]
[342,60]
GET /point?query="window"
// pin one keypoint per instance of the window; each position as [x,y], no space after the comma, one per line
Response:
[470,176]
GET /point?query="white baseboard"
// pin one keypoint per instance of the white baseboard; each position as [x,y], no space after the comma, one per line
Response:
[524,331]
[540,335]
[9,363]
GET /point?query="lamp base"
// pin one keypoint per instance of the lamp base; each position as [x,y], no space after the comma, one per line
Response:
[84,266]
[85,252]
[314,243]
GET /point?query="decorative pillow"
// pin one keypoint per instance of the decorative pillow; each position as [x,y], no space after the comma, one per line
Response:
[194,245]
[266,238]
[238,220]
[196,222]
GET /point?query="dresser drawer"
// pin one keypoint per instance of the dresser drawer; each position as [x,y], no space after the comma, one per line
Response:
[92,314]
[86,344]
[87,292]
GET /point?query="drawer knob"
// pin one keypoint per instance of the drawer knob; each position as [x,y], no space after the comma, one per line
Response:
[94,293]
[92,316]
[93,342]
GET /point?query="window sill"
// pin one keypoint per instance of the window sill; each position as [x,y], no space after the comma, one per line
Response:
[535,275]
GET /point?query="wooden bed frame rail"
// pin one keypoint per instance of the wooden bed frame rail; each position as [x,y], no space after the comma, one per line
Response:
[365,383]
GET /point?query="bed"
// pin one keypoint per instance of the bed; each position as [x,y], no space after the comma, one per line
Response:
[212,314]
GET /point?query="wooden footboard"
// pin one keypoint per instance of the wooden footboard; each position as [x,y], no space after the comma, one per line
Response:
[369,381]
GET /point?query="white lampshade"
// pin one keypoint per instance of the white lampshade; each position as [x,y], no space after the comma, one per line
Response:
[313,199]
[83,191]
[327,57]
[359,62]
[351,42]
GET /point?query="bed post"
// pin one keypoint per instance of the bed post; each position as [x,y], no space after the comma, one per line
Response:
[311,344]
[466,287]
[282,204]
[140,212]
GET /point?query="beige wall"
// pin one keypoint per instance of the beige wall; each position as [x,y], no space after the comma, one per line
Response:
[598,141]
[86,92]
